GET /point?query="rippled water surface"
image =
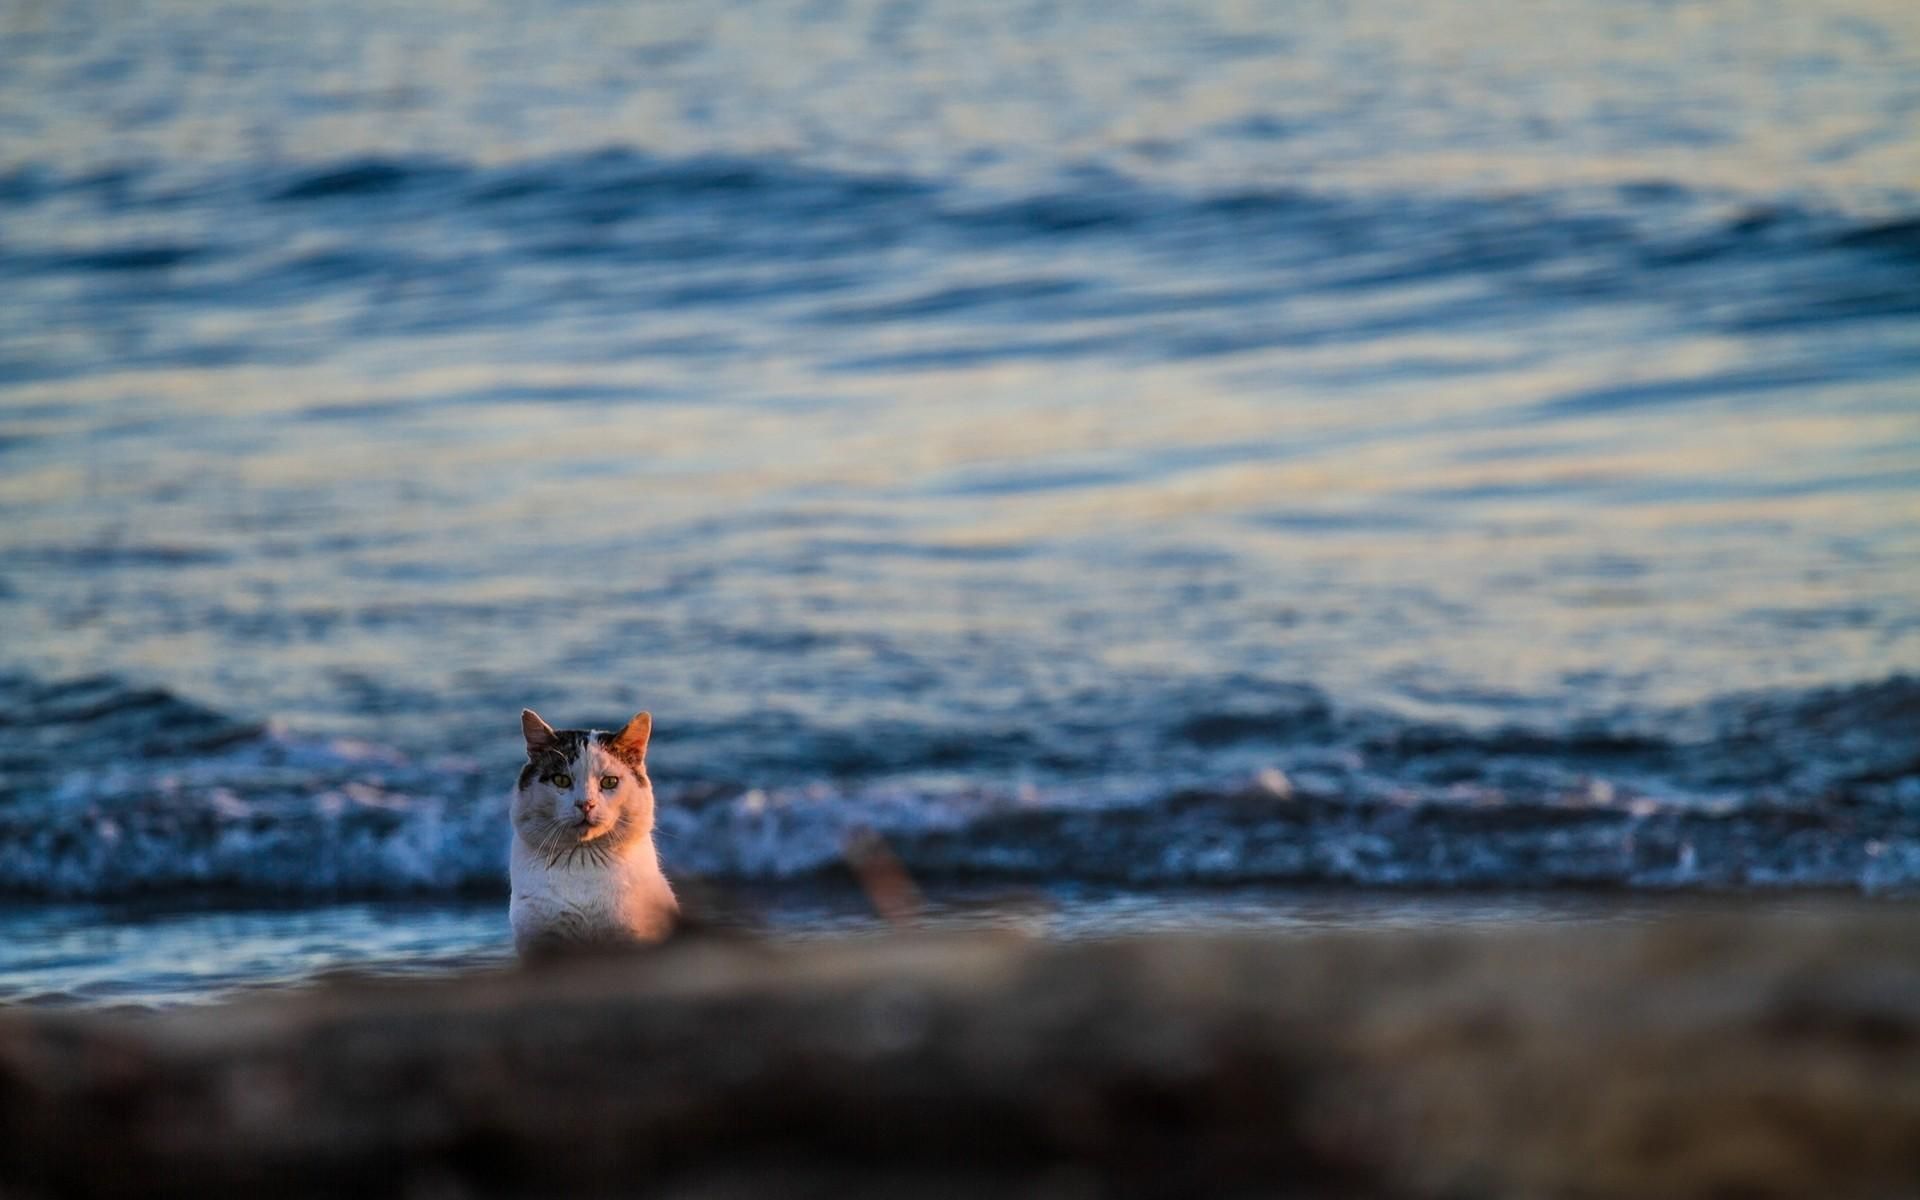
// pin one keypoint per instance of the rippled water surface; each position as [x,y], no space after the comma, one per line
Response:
[1387,443]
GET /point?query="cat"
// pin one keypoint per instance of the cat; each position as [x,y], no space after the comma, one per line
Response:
[583,865]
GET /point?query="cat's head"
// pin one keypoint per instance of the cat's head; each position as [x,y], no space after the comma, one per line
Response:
[582,787]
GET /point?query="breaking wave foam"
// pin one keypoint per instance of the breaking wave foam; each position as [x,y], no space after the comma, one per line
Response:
[1815,789]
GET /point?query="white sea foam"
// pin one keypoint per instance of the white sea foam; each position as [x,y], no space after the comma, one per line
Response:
[284,815]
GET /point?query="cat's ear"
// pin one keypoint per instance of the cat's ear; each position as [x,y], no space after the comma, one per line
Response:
[631,741]
[538,733]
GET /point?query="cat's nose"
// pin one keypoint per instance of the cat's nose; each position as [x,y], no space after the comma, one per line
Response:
[586,805]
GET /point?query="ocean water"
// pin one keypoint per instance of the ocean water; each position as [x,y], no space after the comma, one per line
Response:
[1096,446]
[164,953]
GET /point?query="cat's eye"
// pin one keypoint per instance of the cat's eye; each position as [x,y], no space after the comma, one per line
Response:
[609,782]
[563,781]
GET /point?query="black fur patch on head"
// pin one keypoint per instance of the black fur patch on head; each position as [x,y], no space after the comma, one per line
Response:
[564,752]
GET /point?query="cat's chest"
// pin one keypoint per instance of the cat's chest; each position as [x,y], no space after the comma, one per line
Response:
[586,890]
[627,898]
[571,888]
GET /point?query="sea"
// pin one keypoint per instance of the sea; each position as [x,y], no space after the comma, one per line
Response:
[1152,465]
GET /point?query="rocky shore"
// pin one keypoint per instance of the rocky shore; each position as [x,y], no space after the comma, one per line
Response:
[1713,1055]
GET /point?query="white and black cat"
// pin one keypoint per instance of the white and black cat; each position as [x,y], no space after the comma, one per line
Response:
[584,868]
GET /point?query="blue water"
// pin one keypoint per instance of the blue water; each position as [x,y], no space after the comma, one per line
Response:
[162,954]
[1399,444]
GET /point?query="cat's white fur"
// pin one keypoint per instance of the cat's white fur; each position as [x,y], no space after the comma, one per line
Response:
[583,864]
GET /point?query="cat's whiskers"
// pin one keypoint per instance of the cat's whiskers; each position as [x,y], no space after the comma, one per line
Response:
[552,846]
[601,849]
[537,841]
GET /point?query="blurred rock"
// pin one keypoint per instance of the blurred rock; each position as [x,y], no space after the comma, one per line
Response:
[1710,1055]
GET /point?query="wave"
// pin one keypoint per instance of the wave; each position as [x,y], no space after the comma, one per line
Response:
[1817,788]
[1668,222]
[479,243]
